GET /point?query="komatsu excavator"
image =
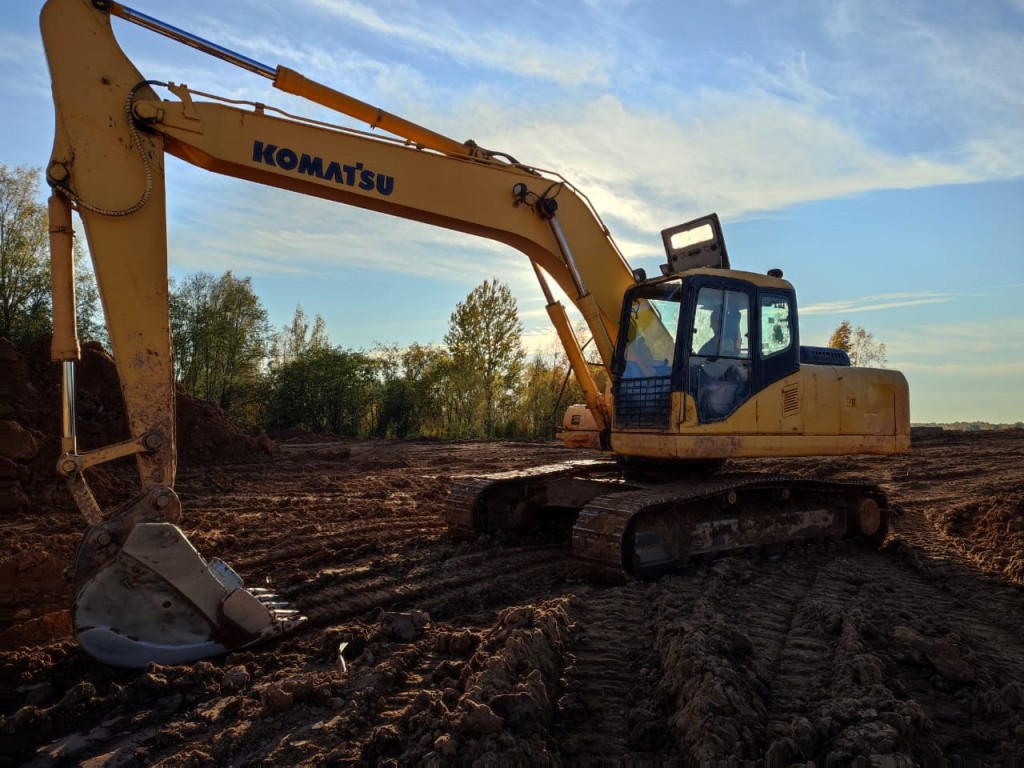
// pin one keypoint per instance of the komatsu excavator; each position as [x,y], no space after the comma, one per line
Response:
[704,362]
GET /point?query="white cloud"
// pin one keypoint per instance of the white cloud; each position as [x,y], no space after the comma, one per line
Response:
[986,371]
[875,303]
[746,153]
[476,43]
[955,73]
[773,137]
[791,78]
[307,235]
[24,64]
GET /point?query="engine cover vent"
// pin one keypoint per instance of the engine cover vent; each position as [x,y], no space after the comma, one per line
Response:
[791,400]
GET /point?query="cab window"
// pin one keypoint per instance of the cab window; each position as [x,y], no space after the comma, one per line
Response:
[651,335]
[721,324]
[776,328]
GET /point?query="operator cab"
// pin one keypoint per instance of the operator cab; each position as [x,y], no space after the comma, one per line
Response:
[718,335]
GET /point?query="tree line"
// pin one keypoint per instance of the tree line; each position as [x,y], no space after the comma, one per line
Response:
[480,383]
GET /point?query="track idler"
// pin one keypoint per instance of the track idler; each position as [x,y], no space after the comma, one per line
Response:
[143,594]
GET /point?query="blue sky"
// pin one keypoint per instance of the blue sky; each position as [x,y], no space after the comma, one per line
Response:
[872,150]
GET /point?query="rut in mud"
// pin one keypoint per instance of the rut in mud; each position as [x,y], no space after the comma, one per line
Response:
[498,649]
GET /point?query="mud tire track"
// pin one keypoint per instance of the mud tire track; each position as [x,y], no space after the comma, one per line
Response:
[610,707]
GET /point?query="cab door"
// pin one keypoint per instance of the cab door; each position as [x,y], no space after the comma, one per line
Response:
[720,373]
[736,340]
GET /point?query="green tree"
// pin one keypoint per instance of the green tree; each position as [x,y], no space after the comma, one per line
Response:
[842,336]
[24,257]
[485,342]
[297,338]
[859,344]
[220,332]
[413,394]
[324,390]
[393,407]
[25,300]
[550,386]
[542,384]
[89,313]
[866,351]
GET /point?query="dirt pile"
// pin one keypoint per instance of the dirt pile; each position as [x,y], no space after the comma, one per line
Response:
[30,426]
[989,530]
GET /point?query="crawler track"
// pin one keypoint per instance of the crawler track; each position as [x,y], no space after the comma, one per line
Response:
[513,500]
[625,530]
[657,530]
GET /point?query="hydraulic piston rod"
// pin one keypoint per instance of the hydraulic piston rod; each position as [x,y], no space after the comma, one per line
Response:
[64,347]
[194,41]
[585,301]
[290,81]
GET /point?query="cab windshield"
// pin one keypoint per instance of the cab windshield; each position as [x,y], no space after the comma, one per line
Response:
[651,334]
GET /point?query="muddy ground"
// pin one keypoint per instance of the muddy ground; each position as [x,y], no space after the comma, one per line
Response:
[498,652]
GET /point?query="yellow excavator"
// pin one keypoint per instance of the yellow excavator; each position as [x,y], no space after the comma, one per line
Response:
[704,362]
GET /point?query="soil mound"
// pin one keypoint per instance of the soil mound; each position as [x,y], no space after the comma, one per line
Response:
[30,426]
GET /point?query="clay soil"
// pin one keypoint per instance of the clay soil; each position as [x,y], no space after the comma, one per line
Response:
[422,649]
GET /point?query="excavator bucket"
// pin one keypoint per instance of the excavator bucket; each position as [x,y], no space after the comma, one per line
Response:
[143,594]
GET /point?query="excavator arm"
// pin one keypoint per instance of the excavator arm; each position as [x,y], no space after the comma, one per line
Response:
[142,593]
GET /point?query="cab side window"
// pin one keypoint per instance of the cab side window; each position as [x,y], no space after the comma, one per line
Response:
[776,327]
[721,325]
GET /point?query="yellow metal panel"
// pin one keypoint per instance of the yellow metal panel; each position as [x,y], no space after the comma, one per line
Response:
[820,402]
[754,278]
[773,423]
[724,445]
[868,400]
